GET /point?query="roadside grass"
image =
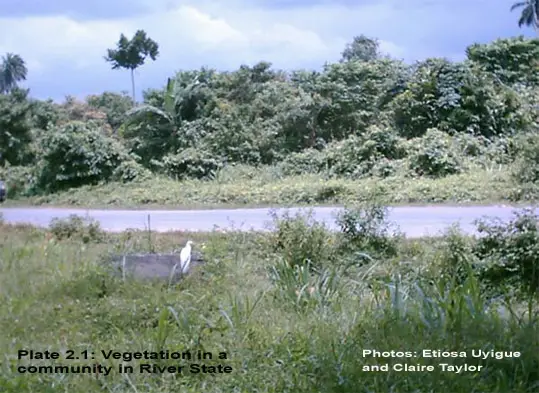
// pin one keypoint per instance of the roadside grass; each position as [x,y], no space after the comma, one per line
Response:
[293,309]
[251,187]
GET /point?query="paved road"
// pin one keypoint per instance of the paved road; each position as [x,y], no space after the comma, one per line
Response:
[413,221]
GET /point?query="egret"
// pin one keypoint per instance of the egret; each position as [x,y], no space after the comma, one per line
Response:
[185,257]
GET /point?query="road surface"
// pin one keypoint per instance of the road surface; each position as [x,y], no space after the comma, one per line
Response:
[412,221]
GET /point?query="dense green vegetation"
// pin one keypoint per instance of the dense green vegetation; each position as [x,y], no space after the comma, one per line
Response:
[433,131]
[293,309]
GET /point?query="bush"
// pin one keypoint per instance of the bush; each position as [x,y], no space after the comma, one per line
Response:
[77,228]
[510,251]
[20,180]
[460,97]
[309,161]
[526,168]
[512,60]
[191,163]
[302,241]
[365,229]
[456,261]
[79,154]
[357,155]
[383,142]
[435,155]
[129,171]
[114,105]
[15,127]
[386,168]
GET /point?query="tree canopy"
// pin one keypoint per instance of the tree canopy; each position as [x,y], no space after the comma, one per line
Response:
[368,116]
[529,15]
[132,53]
[12,70]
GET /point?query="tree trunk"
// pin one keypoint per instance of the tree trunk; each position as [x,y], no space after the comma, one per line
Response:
[133,85]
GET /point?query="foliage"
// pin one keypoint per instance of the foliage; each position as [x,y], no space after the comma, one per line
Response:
[361,48]
[77,154]
[246,301]
[190,163]
[526,168]
[77,110]
[76,227]
[456,259]
[153,132]
[12,70]
[130,170]
[510,61]
[309,161]
[530,13]
[20,180]
[511,251]
[312,134]
[15,127]
[365,229]
[46,114]
[301,241]
[132,53]
[356,92]
[114,105]
[459,98]
[435,155]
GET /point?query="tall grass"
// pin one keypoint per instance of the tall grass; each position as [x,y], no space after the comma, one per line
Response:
[287,321]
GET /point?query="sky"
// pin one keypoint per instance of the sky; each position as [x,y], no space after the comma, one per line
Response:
[64,41]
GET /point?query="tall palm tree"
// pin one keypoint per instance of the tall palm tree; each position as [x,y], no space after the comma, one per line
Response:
[529,15]
[12,70]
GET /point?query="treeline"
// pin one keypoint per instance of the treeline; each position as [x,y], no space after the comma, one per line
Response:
[367,115]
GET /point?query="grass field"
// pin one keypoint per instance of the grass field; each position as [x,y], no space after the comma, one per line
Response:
[249,187]
[285,325]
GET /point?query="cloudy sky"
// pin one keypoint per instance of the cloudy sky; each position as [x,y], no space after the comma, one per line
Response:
[64,41]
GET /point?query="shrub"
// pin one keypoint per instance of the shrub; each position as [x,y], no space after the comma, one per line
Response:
[20,180]
[385,167]
[308,161]
[510,251]
[526,168]
[114,105]
[79,154]
[512,60]
[456,259]
[78,228]
[191,163]
[383,142]
[129,171]
[365,229]
[357,155]
[302,241]
[461,97]
[435,155]
[15,127]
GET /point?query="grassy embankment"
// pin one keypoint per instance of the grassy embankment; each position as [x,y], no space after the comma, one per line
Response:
[259,188]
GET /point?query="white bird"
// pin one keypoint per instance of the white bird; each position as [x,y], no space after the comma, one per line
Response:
[185,257]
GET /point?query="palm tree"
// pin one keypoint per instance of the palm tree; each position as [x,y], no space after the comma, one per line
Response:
[529,15]
[12,70]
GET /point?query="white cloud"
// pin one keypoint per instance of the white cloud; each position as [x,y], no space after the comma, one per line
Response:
[52,39]
[234,36]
